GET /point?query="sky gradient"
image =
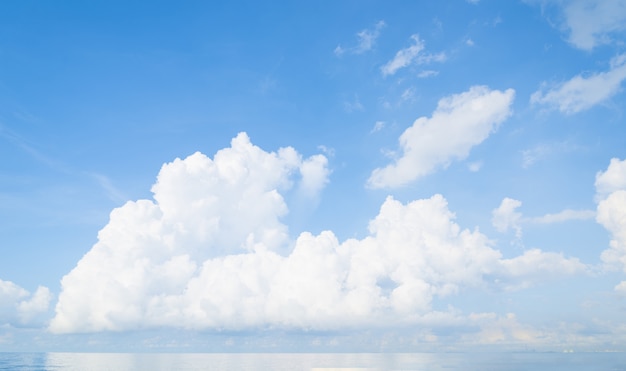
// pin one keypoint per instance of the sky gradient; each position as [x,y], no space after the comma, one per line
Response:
[323,176]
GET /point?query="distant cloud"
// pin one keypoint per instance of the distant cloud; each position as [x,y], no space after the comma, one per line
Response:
[410,55]
[563,216]
[475,166]
[427,73]
[18,307]
[460,122]
[408,94]
[506,217]
[544,150]
[378,126]
[591,23]
[330,152]
[354,105]
[581,93]
[210,252]
[366,39]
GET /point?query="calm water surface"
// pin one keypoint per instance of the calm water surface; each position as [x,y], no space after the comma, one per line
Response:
[311,361]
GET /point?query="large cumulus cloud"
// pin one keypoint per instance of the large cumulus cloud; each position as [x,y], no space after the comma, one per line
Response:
[611,193]
[210,251]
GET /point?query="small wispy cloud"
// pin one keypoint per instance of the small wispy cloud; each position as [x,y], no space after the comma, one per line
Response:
[378,126]
[30,148]
[563,216]
[475,166]
[366,39]
[410,55]
[583,92]
[542,151]
[112,192]
[427,73]
[354,105]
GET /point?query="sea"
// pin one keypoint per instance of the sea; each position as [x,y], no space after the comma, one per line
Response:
[311,361]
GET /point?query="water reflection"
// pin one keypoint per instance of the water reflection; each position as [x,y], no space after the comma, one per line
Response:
[239,361]
[309,361]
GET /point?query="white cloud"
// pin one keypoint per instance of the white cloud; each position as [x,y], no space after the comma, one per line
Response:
[564,216]
[314,171]
[535,266]
[460,122]
[594,22]
[611,214]
[613,179]
[366,39]
[378,126]
[427,73]
[18,307]
[409,55]
[506,217]
[475,166]
[210,253]
[620,288]
[408,94]
[581,93]
[404,57]
[353,106]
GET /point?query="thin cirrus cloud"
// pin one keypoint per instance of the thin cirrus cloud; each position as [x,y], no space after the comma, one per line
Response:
[409,55]
[210,252]
[460,122]
[583,92]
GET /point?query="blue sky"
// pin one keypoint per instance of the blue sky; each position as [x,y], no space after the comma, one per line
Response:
[350,175]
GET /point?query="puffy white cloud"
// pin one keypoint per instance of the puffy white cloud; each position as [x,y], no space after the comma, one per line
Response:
[611,213]
[593,22]
[611,180]
[460,122]
[583,92]
[210,252]
[410,55]
[314,171]
[505,217]
[18,307]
